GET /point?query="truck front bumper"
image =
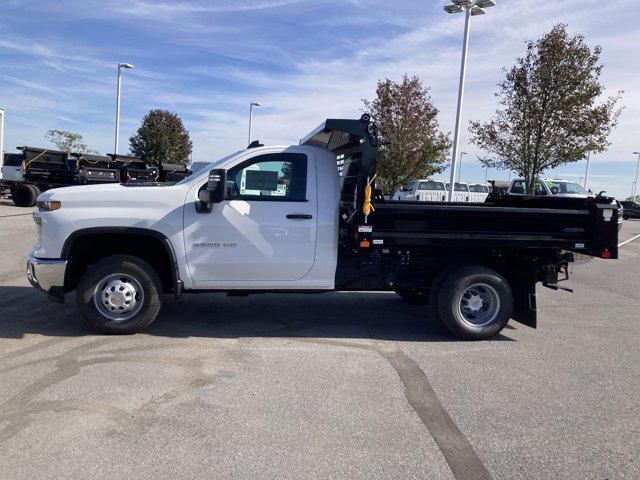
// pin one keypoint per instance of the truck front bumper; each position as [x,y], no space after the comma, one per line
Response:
[47,275]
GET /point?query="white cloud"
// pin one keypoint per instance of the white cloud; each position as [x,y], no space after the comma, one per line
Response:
[304,61]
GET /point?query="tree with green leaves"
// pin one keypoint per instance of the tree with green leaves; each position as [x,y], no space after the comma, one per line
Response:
[68,141]
[161,138]
[549,111]
[412,145]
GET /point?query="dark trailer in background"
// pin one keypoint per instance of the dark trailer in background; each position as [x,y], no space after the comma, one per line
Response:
[34,170]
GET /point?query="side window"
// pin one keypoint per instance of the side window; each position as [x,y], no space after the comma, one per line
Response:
[12,159]
[274,176]
[539,189]
[518,187]
[410,186]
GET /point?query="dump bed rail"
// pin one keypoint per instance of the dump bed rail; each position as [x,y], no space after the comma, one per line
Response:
[589,228]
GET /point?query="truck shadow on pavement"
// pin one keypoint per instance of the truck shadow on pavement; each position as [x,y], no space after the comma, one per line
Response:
[354,315]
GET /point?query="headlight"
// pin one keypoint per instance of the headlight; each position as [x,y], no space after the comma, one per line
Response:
[48,205]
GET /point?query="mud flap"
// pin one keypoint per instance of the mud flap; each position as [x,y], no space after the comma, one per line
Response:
[524,303]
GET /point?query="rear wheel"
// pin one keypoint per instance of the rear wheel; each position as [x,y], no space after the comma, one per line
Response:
[119,294]
[475,303]
[24,195]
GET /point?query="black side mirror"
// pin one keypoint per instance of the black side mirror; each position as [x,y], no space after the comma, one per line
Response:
[215,191]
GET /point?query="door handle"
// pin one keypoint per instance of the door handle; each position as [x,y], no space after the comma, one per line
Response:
[299,216]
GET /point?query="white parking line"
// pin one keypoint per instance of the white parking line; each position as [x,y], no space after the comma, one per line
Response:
[627,241]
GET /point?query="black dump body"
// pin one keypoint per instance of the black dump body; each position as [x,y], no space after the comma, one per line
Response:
[170,172]
[47,168]
[42,165]
[513,223]
[134,169]
[96,168]
[588,226]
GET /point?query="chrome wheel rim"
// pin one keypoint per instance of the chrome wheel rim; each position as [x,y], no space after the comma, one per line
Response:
[479,305]
[118,297]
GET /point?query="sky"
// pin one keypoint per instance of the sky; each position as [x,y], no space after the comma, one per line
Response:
[305,61]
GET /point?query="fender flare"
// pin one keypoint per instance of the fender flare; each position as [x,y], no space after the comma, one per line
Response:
[83,232]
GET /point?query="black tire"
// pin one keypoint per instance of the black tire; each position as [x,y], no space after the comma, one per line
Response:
[414,296]
[24,195]
[466,285]
[427,296]
[143,281]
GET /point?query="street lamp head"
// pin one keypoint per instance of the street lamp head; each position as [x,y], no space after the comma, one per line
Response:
[125,65]
[452,8]
[255,104]
[485,3]
[477,11]
[463,3]
[636,153]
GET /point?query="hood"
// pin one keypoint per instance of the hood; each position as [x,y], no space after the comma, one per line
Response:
[114,195]
[99,189]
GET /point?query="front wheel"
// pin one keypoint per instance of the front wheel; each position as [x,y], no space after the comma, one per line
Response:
[475,303]
[119,294]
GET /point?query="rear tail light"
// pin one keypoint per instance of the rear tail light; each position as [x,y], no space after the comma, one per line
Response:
[605,254]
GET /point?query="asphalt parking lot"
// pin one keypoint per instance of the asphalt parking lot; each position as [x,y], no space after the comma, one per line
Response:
[320,386]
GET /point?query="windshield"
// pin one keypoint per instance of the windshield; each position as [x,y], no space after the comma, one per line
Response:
[568,188]
[479,188]
[209,166]
[430,185]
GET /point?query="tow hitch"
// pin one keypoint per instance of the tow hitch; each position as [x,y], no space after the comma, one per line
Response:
[563,268]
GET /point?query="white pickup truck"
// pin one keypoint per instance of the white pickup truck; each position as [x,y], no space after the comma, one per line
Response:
[478,192]
[426,190]
[460,192]
[299,219]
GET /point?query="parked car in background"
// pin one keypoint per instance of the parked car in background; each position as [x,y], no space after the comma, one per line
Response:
[558,187]
[426,190]
[460,192]
[478,192]
[631,209]
[553,186]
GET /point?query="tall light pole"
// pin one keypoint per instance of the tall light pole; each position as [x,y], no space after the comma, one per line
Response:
[471,8]
[119,89]
[1,134]
[586,172]
[635,184]
[460,169]
[251,105]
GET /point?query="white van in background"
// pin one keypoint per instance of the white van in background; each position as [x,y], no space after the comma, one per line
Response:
[460,192]
[426,190]
[478,192]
